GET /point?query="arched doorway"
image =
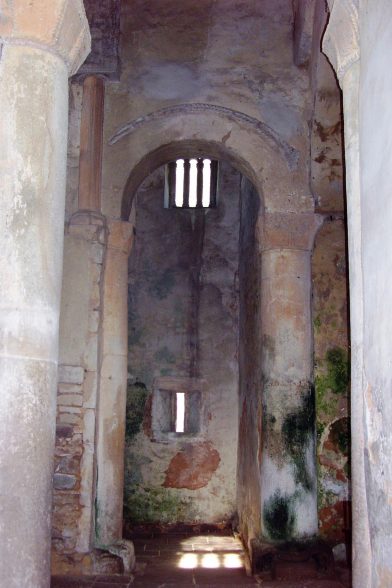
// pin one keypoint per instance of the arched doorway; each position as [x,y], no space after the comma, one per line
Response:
[277,379]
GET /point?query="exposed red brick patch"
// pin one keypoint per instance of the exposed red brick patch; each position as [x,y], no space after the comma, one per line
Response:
[334,521]
[192,467]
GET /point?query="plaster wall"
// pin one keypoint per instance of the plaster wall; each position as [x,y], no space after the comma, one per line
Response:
[183,323]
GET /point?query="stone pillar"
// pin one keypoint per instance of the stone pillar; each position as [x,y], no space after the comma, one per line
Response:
[91,143]
[288,469]
[42,43]
[113,385]
[341,45]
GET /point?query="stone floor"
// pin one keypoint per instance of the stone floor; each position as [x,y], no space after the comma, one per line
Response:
[190,561]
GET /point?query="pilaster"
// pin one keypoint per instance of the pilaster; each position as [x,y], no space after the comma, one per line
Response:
[113,384]
[288,469]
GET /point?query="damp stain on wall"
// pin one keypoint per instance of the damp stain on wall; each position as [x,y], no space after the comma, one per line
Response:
[279,516]
[298,433]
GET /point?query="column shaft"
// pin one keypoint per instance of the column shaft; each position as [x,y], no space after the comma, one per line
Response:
[288,471]
[90,165]
[33,128]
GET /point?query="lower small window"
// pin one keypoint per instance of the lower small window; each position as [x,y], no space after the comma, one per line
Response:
[180,412]
[176,408]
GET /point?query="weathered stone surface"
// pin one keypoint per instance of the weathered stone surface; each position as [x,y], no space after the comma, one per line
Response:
[68,418]
[69,400]
[192,467]
[64,481]
[64,431]
[70,374]
[67,464]
[63,388]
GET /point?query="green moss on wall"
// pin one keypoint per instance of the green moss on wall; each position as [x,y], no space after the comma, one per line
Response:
[336,374]
[320,427]
[279,516]
[325,497]
[153,505]
[137,395]
[317,323]
[133,470]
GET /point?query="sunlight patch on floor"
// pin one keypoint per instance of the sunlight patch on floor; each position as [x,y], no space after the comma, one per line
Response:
[210,552]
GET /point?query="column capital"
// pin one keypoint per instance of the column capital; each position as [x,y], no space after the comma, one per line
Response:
[56,26]
[287,230]
[341,39]
[120,235]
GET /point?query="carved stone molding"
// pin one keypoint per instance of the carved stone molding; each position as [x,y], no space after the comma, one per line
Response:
[196,108]
[57,26]
[341,38]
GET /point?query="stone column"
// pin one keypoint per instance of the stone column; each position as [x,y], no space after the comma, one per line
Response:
[288,469]
[341,45]
[41,44]
[91,143]
[113,385]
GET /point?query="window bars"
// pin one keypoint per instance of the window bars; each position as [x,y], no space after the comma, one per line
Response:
[191,183]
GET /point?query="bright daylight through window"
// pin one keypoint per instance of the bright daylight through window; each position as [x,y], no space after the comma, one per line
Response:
[191,183]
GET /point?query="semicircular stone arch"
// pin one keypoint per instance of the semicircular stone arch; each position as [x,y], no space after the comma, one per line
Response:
[138,147]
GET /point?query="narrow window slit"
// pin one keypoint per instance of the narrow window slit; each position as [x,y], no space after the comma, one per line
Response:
[180,412]
[193,183]
[179,182]
[206,183]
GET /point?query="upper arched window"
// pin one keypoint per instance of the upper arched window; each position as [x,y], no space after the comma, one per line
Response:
[191,183]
